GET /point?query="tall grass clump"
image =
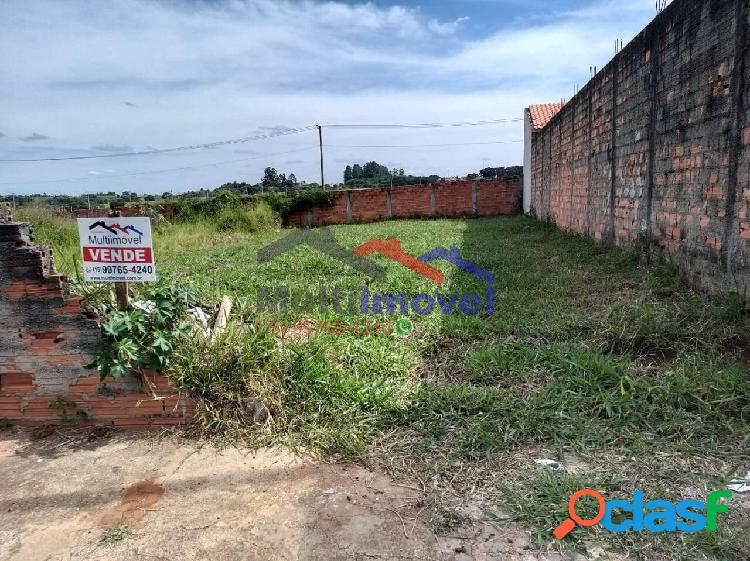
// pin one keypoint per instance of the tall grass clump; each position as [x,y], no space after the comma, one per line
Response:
[235,378]
[257,218]
[310,393]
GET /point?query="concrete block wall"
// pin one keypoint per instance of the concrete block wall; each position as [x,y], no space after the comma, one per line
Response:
[445,199]
[46,342]
[654,152]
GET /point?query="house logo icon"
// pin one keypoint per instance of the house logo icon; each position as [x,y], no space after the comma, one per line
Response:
[115,229]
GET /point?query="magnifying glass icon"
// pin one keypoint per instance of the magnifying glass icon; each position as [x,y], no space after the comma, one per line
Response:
[569,523]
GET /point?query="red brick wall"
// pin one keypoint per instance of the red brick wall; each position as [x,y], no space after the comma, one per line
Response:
[335,214]
[454,198]
[654,152]
[498,198]
[411,201]
[46,343]
[369,205]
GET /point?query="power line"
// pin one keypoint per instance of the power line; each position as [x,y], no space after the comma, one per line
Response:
[425,125]
[145,172]
[285,132]
[418,145]
[265,136]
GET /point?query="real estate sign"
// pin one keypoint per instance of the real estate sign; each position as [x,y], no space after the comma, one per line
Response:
[117,249]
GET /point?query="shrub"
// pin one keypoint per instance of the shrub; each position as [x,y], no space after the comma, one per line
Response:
[260,217]
[144,336]
[189,209]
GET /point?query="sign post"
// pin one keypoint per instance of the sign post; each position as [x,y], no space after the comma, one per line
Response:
[119,250]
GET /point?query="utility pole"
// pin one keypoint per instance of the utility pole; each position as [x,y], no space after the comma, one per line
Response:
[320,139]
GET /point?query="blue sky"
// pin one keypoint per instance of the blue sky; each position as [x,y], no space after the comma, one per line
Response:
[90,78]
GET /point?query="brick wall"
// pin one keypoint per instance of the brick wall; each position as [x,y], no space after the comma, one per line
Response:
[454,198]
[654,152]
[165,209]
[46,343]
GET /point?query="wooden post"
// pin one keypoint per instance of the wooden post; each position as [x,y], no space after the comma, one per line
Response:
[322,176]
[121,288]
[121,293]
[222,318]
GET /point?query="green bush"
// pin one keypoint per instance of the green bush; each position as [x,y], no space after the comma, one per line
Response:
[286,204]
[257,218]
[189,209]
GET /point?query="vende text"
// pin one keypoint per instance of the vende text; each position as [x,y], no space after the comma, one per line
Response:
[119,255]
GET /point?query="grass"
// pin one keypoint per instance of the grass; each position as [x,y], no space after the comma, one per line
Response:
[588,355]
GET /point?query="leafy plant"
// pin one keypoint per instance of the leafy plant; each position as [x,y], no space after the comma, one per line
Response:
[144,335]
[112,536]
[286,204]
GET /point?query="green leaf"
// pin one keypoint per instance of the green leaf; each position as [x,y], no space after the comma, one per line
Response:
[118,369]
[127,349]
[114,326]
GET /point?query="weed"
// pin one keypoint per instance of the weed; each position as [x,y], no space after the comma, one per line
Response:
[444,520]
[113,536]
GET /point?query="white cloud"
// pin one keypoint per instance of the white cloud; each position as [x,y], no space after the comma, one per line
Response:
[138,73]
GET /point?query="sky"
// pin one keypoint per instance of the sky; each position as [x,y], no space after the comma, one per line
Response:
[83,78]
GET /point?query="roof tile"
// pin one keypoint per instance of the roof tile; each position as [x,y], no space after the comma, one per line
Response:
[541,113]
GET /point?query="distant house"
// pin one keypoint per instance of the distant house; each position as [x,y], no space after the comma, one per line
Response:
[535,117]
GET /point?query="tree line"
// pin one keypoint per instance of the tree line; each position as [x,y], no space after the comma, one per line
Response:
[369,174]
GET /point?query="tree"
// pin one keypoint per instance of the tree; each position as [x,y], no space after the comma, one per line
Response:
[494,173]
[347,174]
[373,170]
[356,171]
[270,179]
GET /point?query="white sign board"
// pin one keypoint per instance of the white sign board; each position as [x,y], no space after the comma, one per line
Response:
[117,249]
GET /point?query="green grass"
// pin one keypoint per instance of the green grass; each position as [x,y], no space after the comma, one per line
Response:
[587,353]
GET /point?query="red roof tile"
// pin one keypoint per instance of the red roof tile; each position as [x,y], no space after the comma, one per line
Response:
[541,113]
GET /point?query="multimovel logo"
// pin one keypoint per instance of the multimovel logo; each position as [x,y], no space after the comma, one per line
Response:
[364,300]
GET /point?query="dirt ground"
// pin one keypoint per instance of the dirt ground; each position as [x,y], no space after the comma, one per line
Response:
[63,495]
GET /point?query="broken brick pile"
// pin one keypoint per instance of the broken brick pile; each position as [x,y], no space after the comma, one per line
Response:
[493,197]
[46,342]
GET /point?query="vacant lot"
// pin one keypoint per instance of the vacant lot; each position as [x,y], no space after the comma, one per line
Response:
[619,372]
